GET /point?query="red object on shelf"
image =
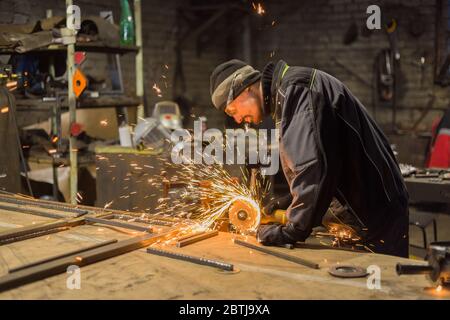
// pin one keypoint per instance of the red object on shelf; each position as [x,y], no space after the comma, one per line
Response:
[75,129]
[439,152]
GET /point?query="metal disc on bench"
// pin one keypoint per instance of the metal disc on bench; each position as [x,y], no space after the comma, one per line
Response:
[347,271]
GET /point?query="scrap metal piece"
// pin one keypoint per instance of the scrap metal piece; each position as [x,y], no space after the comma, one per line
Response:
[277,254]
[42,271]
[193,259]
[196,238]
[118,224]
[63,255]
[347,271]
[36,212]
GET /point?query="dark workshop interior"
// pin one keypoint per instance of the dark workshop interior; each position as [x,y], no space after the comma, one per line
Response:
[350,99]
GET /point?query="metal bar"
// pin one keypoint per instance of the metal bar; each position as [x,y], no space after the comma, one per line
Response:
[28,230]
[42,271]
[63,255]
[197,238]
[32,211]
[33,235]
[53,206]
[280,255]
[196,260]
[156,221]
[72,116]
[190,235]
[118,224]
[139,59]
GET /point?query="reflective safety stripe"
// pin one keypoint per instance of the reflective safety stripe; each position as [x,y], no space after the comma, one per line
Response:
[284,70]
[313,76]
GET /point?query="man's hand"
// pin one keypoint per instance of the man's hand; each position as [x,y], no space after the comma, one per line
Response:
[273,235]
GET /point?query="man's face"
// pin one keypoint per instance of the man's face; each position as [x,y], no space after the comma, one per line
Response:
[246,108]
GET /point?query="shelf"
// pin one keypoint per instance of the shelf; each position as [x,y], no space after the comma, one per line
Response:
[87,47]
[84,103]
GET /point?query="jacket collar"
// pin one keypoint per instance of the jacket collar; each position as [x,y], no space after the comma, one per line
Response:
[271,80]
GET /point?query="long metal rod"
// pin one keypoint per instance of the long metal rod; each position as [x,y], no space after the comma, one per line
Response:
[32,211]
[156,221]
[72,117]
[63,255]
[42,271]
[32,235]
[280,255]
[29,230]
[55,206]
[139,59]
[197,260]
[197,238]
[118,224]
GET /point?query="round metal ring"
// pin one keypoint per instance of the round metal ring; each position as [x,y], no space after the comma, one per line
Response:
[347,271]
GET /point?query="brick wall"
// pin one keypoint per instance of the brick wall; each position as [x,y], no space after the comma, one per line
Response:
[308,33]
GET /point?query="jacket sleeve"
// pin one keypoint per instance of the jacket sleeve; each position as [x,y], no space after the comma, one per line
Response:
[304,166]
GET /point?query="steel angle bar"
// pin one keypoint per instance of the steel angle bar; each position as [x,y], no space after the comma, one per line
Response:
[277,254]
[54,267]
[118,224]
[197,260]
[63,255]
[197,238]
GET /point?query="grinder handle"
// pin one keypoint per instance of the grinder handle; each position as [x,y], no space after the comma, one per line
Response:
[277,216]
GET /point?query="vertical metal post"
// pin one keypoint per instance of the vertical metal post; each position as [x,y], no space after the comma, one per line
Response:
[72,118]
[54,122]
[139,59]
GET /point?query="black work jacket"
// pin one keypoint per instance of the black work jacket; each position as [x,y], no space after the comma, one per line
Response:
[330,146]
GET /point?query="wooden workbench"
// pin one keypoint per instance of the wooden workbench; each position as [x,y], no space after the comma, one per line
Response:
[139,275]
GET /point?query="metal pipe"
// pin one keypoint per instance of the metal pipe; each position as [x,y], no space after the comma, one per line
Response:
[197,238]
[196,260]
[73,154]
[280,255]
[139,59]
[63,255]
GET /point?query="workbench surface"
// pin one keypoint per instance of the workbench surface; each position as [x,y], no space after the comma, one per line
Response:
[139,275]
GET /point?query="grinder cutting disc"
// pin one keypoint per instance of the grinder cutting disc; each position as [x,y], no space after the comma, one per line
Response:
[244,215]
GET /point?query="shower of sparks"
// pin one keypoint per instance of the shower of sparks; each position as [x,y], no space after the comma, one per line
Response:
[258,8]
[104,123]
[157,90]
[208,191]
